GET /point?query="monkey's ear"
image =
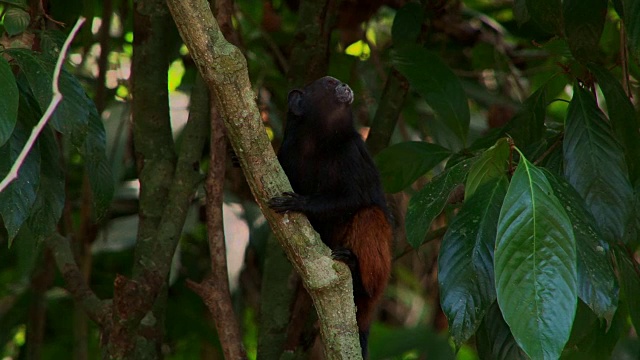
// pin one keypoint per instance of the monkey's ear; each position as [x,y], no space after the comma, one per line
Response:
[296,101]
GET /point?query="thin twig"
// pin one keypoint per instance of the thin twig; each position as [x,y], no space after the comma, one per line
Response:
[55,100]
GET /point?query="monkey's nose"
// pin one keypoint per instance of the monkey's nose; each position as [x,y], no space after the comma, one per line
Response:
[344,94]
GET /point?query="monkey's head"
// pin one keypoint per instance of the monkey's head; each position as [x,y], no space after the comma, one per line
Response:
[323,105]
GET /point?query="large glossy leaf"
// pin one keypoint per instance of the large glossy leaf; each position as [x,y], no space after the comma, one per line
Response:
[98,166]
[547,14]
[595,166]
[439,86]
[8,101]
[535,264]
[624,119]
[494,339]
[72,115]
[629,274]
[631,16]
[402,164]
[583,25]
[431,199]
[465,264]
[17,199]
[597,285]
[492,164]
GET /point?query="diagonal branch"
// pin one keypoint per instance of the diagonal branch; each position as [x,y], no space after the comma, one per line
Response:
[98,310]
[224,69]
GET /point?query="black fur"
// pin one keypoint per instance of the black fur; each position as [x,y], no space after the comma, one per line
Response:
[331,172]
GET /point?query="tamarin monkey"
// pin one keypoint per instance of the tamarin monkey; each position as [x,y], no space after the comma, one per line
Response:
[337,186]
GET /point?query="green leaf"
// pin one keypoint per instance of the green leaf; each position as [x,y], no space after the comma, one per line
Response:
[535,265]
[624,119]
[439,86]
[527,126]
[597,285]
[547,14]
[494,339]
[72,115]
[583,25]
[16,21]
[17,199]
[402,164]
[465,264]
[47,208]
[492,164]
[431,199]
[407,23]
[595,166]
[98,166]
[631,17]
[8,101]
[629,275]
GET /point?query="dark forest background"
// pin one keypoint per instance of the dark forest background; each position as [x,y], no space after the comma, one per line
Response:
[506,133]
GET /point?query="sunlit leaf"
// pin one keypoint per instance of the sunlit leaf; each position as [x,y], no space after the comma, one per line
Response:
[439,86]
[8,101]
[465,264]
[431,199]
[595,166]
[535,265]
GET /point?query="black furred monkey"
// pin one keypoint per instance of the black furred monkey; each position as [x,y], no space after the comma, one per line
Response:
[337,186]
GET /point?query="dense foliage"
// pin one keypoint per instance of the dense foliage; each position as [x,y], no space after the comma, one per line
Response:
[507,134]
